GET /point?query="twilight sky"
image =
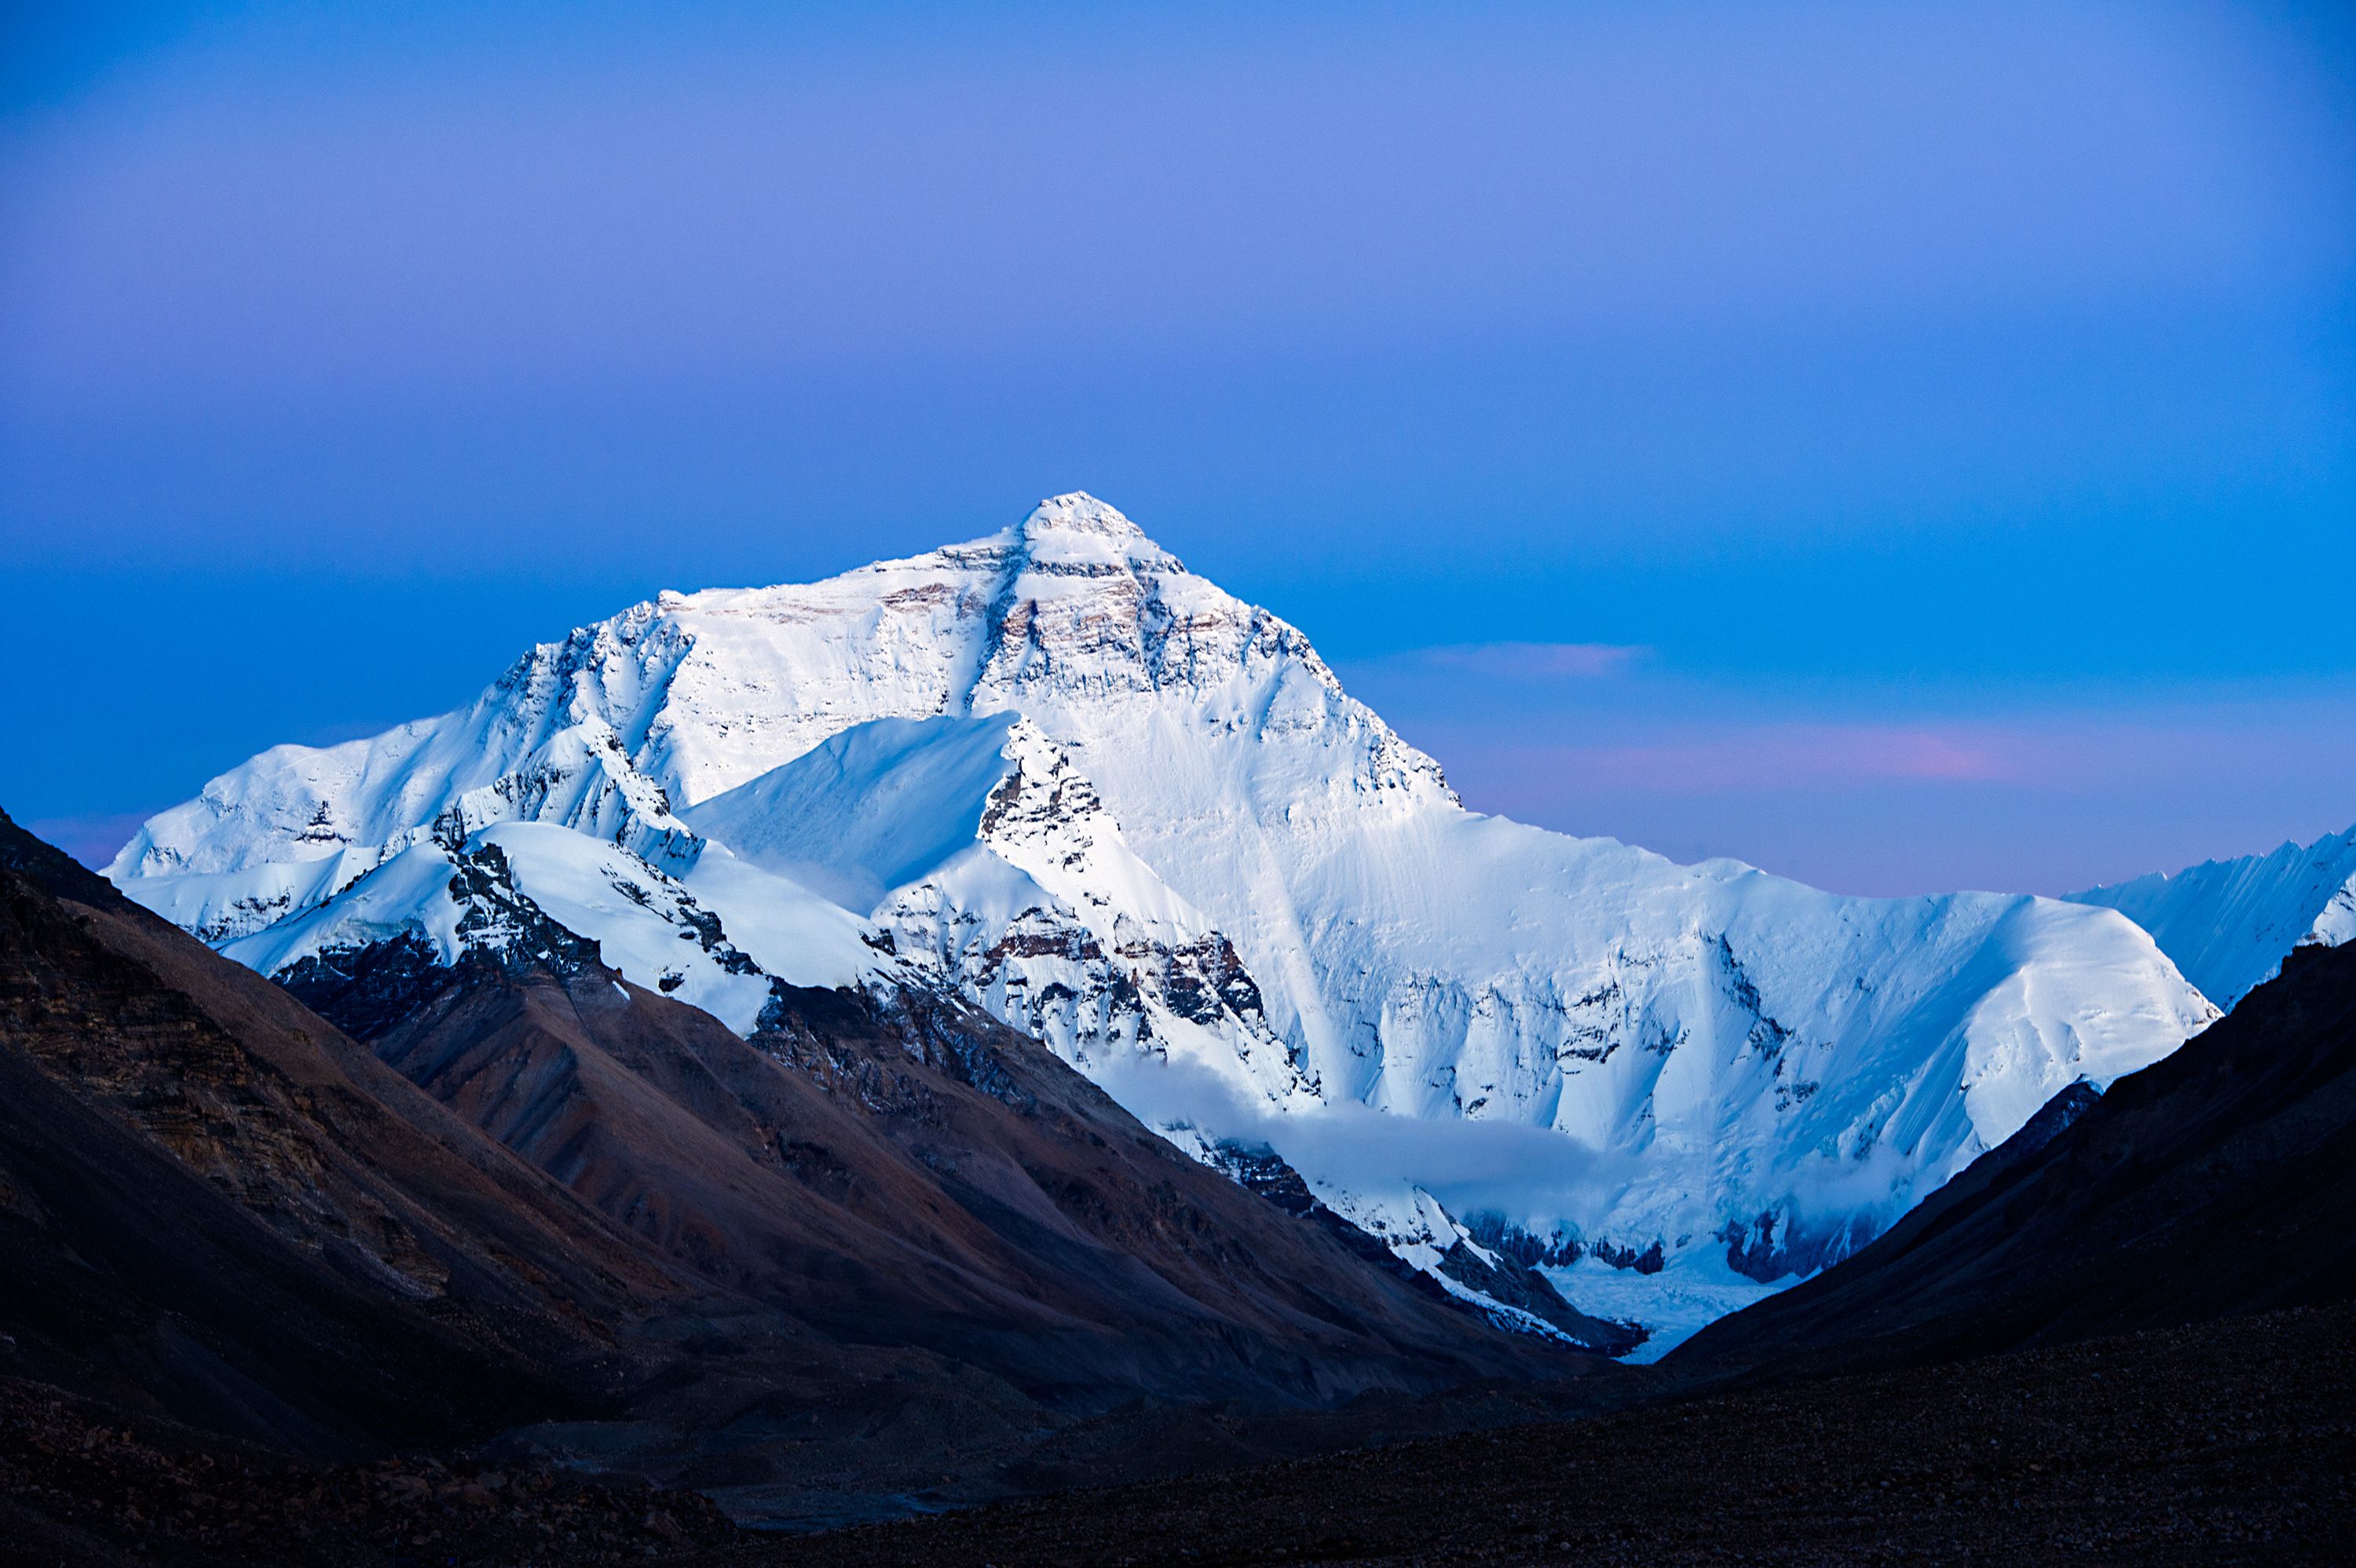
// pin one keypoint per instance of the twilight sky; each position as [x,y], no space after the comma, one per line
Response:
[1903,447]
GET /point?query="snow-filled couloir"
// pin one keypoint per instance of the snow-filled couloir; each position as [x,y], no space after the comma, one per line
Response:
[1128,811]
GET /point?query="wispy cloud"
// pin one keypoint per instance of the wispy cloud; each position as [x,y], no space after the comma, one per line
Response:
[1523,661]
[1883,788]
[1792,755]
[1532,1172]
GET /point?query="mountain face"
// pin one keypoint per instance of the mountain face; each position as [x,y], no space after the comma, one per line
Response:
[2218,1182]
[214,1205]
[2228,923]
[1055,774]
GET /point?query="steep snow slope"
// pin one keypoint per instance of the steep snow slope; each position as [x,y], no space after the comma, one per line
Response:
[1194,841]
[982,854]
[2228,924]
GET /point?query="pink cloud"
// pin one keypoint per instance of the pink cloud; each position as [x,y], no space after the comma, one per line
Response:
[92,839]
[1530,660]
[1793,755]
[2045,798]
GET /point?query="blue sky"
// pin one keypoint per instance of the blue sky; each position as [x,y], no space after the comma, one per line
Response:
[1904,447]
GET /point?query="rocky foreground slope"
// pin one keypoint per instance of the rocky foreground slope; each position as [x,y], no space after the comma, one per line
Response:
[1057,775]
[873,1258]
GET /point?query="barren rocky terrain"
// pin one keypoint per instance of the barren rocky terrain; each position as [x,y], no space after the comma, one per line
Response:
[2227,1442]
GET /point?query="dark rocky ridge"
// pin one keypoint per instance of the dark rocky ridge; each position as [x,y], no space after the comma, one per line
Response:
[922,1175]
[214,1205]
[883,1257]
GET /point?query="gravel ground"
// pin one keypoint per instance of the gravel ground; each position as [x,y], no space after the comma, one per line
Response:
[83,1485]
[2230,1443]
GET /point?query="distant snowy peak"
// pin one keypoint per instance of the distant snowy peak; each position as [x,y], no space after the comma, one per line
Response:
[2228,924]
[2337,923]
[533,748]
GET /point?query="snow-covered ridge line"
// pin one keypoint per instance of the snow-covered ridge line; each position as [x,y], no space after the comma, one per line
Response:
[665,933]
[1055,770]
[2228,925]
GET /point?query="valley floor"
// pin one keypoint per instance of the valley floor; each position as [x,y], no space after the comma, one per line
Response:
[2229,1443]
[83,1485]
[2232,1442]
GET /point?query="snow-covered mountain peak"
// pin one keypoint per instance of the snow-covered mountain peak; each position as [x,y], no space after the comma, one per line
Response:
[1063,520]
[1072,617]
[1141,817]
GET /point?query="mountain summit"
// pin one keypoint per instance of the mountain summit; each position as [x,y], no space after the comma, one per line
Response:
[1077,512]
[1054,772]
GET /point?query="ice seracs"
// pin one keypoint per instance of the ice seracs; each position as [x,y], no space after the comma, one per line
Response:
[1141,818]
[2228,924]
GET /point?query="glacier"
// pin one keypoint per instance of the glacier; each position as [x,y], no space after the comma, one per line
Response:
[2228,925]
[1055,771]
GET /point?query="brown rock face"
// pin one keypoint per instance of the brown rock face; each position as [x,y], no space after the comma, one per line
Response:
[884,1253]
[918,1174]
[217,1206]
